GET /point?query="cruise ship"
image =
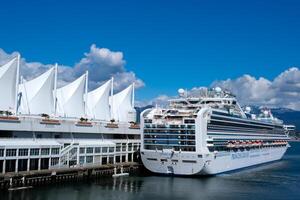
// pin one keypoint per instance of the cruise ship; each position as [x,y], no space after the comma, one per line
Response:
[43,127]
[209,133]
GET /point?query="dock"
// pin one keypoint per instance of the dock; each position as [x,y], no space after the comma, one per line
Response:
[27,180]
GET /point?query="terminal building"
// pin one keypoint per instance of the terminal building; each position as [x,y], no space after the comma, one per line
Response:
[43,127]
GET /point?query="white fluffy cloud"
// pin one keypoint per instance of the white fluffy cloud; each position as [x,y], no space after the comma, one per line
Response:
[101,63]
[161,100]
[283,91]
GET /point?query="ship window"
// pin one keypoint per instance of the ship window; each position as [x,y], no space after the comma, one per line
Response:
[23,152]
[1,152]
[152,159]
[11,152]
[55,151]
[82,150]
[189,161]
[189,121]
[45,151]
[89,150]
[97,149]
[34,152]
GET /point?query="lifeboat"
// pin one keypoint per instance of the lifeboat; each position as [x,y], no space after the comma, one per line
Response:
[241,144]
[249,143]
[244,144]
[256,143]
[236,144]
[231,144]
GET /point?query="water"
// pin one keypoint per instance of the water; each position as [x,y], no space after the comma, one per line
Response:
[278,180]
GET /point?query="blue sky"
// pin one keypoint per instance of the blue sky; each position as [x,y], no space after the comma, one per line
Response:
[167,44]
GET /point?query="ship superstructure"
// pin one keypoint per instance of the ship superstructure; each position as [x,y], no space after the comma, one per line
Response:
[43,127]
[208,133]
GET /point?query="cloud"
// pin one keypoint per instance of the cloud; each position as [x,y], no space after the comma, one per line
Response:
[101,63]
[161,100]
[283,91]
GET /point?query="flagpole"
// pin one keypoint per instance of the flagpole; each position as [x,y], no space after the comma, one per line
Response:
[111,97]
[86,91]
[133,84]
[55,88]
[17,84]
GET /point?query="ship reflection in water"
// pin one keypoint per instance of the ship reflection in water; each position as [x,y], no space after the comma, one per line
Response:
[279,180]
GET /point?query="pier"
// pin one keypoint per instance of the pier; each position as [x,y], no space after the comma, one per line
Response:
[26,180]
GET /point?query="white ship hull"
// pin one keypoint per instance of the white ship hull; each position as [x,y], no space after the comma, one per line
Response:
[207,136]
[210,164]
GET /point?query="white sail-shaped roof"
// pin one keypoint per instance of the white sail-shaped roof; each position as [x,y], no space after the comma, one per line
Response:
[70,98]
[122,104]
[98,102]
[8,85]
[37,94]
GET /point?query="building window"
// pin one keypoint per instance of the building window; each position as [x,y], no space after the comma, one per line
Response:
[118,159]
[54,161]
[123,146]
[11,152]
[104,150]
[123,158]
[118,147]
[97,149]
[34,152]
[89,159]
[130,157]
[45,151]
[111,160]
[81,160]
[82,150]
[135,147]
[23,152]
[1,152]
[111,149]
[104,160]
[130,147]
[55,151]
[89,150]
